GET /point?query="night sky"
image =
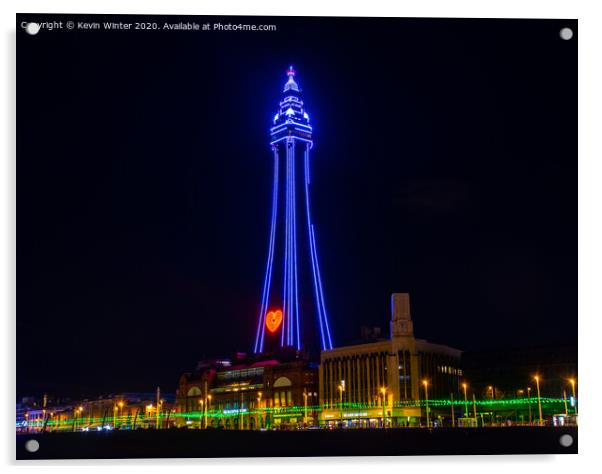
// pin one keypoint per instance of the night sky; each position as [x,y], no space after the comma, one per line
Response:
[444,165]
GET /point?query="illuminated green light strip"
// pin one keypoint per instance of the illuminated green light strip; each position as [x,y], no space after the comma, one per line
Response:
[122,421]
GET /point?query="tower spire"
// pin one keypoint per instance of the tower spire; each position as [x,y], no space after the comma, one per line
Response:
[291,84]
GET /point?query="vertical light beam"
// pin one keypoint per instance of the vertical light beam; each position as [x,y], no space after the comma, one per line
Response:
[311,249]
[268,272]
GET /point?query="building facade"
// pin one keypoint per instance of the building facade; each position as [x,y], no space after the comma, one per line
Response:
[126,411]
[278,390]
[387,382]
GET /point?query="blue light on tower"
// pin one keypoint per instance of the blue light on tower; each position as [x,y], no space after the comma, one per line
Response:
[291,142]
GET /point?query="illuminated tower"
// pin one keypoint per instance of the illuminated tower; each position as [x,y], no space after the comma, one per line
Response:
[292,272]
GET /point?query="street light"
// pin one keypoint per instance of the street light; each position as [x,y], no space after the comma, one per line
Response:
[80,410]
[202,412]
[492,390]
[529,404]
[259,407]
[75,415]
[383,390]
[158,413]
[341,390]
[465,401]
[120,404]
[208,407]
[572,381]
[539,400]
[305,406]
[426,398]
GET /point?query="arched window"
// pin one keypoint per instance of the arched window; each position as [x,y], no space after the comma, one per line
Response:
[194,392]
[283,382]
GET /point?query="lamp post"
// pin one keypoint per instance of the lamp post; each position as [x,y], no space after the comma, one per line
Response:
[305,406]
[202,403]
[452,409]
[81,410]
[120,404]
[465,401]
[539,400]
[208,407]
[76,413]
[574,395]
[115,410]
[341,390]
[149,410]
[529,405]
[491,389]
[383,391]
[520,392]
[426,399]
[158,414]
[259,408]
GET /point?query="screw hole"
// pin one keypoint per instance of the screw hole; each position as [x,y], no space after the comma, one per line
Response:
[566,440]
[32,445]
[566,34]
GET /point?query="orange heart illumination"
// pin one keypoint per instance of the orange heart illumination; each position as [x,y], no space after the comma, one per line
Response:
[273,320]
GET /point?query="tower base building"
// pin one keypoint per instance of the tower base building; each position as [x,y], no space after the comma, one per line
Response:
[387,382]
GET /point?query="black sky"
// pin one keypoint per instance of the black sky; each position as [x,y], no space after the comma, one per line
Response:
[445,165]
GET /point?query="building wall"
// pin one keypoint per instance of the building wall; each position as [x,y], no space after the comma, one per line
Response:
[250,394]
[398,366]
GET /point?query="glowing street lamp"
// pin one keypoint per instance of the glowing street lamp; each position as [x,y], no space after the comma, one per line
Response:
[426,398]
[202,403]
[464,386]
[158,413]
[383,390]
[120,405]
[539,400]
[529,404]
[341,388]
[572,381]
[80,410]
[305,406]
[259,408]
[76,413]
[208,407]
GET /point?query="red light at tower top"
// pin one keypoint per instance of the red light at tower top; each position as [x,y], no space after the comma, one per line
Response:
[290,71]
[273,320]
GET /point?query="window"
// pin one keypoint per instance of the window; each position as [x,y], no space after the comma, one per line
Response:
[282,382]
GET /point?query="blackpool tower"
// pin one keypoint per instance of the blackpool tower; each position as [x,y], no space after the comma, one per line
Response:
[292,311]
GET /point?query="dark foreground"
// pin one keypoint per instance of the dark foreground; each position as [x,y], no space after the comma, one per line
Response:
[212,443]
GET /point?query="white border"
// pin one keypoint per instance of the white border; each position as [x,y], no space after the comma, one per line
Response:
[590,217]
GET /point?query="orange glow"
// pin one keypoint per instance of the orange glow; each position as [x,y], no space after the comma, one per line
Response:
[273,320]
